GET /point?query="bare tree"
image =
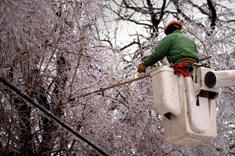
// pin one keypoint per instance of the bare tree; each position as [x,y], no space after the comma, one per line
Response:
[48,50]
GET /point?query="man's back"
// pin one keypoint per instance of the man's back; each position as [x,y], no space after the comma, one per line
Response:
[174,46]
[181,47]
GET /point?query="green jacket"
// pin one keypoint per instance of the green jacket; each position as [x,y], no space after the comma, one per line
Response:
[174,46]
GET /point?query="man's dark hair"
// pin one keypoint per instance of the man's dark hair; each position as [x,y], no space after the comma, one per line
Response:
[172,28]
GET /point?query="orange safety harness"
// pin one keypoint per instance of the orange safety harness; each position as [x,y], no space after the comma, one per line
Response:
[182,67]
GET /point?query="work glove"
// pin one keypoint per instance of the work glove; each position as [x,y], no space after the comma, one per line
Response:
[142,68]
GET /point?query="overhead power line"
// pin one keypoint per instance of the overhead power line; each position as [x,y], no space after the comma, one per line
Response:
[50,115]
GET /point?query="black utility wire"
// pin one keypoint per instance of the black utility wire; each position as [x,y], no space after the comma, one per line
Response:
[50,115]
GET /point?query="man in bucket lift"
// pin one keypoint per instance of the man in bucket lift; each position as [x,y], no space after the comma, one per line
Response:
[177,47]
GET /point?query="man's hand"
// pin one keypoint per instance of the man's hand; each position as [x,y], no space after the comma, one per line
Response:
[142,68]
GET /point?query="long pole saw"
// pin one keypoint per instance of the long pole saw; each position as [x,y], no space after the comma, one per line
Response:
[116,85]
[50,115]
[126,82]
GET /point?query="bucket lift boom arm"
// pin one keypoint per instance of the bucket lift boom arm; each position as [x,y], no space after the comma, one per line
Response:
[215,79]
